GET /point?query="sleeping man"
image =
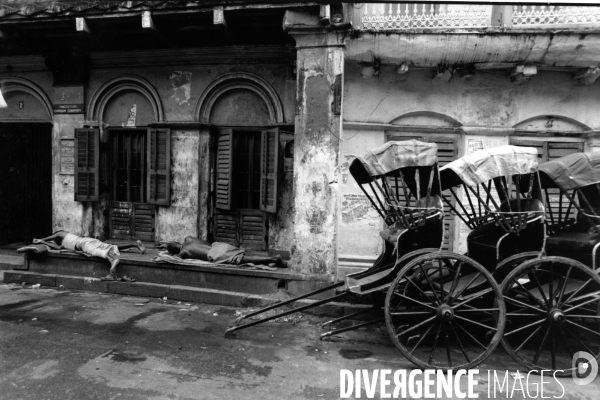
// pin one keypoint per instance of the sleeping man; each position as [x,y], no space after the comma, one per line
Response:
[219,253]
[94,247]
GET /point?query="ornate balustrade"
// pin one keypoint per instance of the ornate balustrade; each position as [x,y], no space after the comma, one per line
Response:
[385,16]
[408,16]
[541,16]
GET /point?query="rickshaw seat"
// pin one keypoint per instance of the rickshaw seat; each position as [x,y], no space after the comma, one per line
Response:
[571,240]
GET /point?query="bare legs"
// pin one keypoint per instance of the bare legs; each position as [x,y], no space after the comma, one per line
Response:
[263,260]
[138,244]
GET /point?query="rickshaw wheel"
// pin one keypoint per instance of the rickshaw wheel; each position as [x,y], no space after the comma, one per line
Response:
[445,302]
[553,311]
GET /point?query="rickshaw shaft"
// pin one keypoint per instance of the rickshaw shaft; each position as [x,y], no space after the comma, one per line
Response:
[283,314]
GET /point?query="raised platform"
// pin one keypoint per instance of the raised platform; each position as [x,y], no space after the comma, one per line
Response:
[143,269]
[216,285]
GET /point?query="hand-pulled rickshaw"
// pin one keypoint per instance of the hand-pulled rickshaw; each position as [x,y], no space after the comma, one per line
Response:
[430,292]
[553,297]
[445,310]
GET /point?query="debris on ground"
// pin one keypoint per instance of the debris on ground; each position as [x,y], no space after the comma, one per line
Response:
[36,286]
[44,331]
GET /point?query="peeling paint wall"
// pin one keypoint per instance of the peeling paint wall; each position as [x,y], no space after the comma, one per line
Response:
[180,219]
[316,154]
[359,223]
[488,99]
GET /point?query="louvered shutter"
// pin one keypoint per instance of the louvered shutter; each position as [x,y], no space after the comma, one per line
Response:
[159,166]
[253,230]
[226,227]
[224,168]
[269,170]
[143,222]
[87,164]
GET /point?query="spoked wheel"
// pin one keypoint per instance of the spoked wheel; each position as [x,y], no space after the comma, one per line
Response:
[552,306]
[445,311]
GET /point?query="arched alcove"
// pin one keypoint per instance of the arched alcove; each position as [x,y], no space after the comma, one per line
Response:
[26,101]
[240,107]
[557,123]
[425,118]
[128,89]
[240,93]
[118,107]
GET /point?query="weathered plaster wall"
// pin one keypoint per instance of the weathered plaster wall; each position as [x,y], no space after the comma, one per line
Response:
[359,223]
[180,219]
[488,99]
[67,214]
[316,154]
[180,88]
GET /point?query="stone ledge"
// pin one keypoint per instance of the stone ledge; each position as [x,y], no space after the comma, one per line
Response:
[173,292]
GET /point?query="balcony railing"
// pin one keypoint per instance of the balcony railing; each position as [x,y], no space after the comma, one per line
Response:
[383,16]
[409,16]
[542,16]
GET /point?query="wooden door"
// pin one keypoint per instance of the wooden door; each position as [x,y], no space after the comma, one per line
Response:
[26,183]
[130,215]
[240,220]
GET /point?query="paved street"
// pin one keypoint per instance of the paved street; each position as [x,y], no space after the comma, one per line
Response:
[78,345]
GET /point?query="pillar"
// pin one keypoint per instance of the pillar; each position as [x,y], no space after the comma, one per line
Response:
[320,63]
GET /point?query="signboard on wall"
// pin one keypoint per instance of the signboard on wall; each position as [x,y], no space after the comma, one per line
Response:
[67,156]
[67,108]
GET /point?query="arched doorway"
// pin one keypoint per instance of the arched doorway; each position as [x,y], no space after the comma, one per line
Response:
[134,159]
[25,163]
[244,109]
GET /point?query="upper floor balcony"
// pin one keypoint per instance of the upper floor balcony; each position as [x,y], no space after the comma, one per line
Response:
[422,16]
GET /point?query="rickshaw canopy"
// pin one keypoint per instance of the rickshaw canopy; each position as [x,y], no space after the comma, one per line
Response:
[485,165]
[391,157]
[571,172]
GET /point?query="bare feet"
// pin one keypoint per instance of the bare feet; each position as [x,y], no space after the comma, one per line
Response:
[113,267]
[140,246]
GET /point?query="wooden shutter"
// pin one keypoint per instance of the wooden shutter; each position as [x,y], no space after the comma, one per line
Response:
[87,164]
[226,227]
[269,170]
[142,222]
[159,166]
[131,221]
[224,168]
[253,230]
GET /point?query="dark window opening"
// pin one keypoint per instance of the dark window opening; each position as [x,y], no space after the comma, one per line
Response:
[128,149]
[246,169]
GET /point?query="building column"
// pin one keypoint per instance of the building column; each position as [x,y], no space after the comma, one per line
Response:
[67,214]
[320,64]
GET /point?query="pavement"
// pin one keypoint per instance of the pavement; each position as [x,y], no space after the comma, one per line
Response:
[64,344]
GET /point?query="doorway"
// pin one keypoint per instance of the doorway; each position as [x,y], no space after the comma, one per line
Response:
[244,224]
[130,216]
[25,181]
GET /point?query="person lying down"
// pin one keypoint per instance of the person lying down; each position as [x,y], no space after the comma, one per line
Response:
[219,253]
[64,240]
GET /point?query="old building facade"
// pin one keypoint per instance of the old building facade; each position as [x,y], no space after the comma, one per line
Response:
[237,121]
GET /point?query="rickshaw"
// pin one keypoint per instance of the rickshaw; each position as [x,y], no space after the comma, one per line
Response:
[553,299]
[427,288]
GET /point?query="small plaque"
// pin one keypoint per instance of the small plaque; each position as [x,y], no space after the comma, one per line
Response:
[67,156]
[67,108]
